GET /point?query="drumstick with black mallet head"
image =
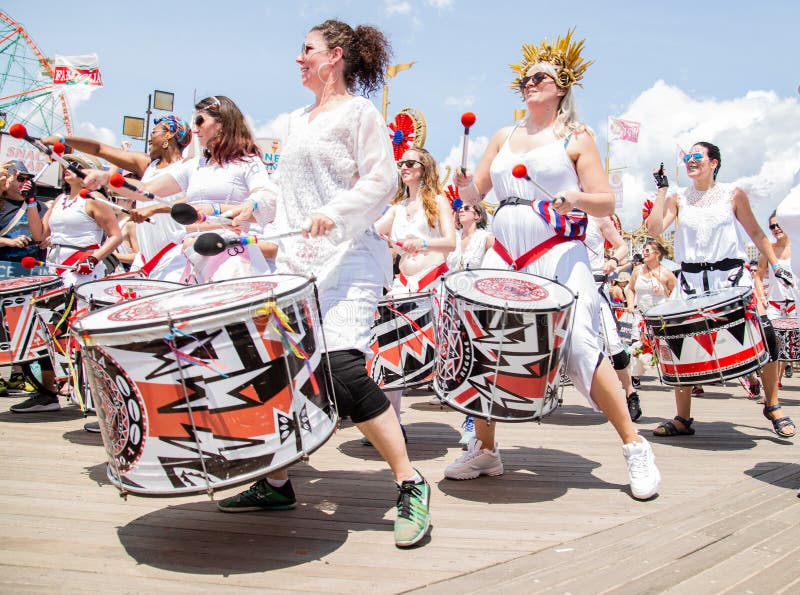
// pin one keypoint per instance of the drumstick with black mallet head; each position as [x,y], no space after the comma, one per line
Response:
[211,244]
[186,214]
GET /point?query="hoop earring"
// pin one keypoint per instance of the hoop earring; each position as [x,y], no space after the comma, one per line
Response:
[165,144]
[319,68]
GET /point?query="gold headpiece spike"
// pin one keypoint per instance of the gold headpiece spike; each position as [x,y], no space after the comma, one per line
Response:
[563,54]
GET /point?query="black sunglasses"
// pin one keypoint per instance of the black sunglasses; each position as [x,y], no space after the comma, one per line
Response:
[772,226]
[409,163]
[466,208]
[536,77]
[22,178]
[199,120]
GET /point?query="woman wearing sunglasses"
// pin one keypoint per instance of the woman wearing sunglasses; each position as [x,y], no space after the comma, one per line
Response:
[537,234]
[170,136]
[337,173]
[228,173]
[712,255]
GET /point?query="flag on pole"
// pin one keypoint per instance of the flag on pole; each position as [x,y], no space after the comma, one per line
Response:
[81,71]
[627,130]
[392,70]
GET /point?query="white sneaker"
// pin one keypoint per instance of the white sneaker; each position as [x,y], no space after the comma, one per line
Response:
[475,462]
[642,470]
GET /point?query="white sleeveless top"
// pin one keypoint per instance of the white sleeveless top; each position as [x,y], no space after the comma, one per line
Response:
[518,227]
[416,226]
[71,224]
[707,230]
[595,245]
[649,291]
[777,291]
[460,259]
[152,237]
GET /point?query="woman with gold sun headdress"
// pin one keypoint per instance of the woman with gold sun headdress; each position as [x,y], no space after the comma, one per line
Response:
[561,156]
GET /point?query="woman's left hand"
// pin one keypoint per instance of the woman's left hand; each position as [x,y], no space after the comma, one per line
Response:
[564,202]
[320,225]
[244,215]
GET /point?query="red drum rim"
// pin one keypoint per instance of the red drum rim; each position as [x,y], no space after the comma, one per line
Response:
[17,285]
[517,307]
[89,325]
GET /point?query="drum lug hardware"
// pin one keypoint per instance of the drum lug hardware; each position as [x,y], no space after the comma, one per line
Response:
[123,494]
[304,458]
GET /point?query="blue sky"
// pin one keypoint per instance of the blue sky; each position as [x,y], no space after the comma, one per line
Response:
[651,63]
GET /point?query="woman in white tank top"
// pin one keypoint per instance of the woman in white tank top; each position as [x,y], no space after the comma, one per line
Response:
[710,248]
[560,155]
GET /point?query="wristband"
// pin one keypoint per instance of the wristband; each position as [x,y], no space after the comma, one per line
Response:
[216,208]
[253,202]
[62,140]
[30,201]
[424,244]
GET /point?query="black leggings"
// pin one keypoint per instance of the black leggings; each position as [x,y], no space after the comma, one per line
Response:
[772,340]
[357,395]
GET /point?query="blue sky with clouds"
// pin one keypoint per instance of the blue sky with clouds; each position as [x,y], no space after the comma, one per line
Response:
[681,68]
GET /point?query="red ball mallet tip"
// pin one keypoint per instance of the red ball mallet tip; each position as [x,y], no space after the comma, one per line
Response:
[17,131]
[59,148]
[28,262]
[519,171]
[467,119]
[84,193]
[117,180]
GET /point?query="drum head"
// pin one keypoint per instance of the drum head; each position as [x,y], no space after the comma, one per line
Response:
[17,285]
[703,301]
[189,303]
[106,292]
[510,290]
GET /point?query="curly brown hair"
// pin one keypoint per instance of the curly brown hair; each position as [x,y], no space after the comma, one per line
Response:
[365,52]
[235,140]
[430,187]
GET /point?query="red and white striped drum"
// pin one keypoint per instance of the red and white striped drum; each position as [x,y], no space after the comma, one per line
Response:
[501,343]
[706,338]
[208,386]
[22,336]
[787,334]
[403,345]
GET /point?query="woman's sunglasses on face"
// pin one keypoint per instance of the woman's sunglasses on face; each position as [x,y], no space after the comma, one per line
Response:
[466,209]
[536,78]
[774,226]
[690,156]
[409,163]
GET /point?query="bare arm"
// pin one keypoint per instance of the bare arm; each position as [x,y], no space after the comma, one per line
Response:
[105,218]
[630,292]
[384,225]
[665,209]
[618,246]
[131,160]
[473,187]
[596,197]
[744,214]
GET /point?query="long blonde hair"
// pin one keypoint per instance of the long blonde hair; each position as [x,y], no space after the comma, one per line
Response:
[430,187]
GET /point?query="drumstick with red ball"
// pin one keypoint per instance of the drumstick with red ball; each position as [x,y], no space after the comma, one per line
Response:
[467,120]
[19,131]
[29,262]
[521,172]
[88,194]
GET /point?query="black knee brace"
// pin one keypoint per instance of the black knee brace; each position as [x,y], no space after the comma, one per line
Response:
[620,360]
[772,340]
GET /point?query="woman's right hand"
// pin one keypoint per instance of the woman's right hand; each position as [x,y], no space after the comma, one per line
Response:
[462,179]
[95,178]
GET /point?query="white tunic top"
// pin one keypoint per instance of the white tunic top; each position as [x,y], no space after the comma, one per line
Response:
[152,237]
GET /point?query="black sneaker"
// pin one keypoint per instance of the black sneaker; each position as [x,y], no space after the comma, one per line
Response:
[35,403]
[634,408]
[92,426]
[260,496]
[636,382]
[788,371]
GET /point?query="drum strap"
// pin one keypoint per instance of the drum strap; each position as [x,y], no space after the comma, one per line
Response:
[429,278]
[534,253]
[726,264]
[153,262]
[78,256]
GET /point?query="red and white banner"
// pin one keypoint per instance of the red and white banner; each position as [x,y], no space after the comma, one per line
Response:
[77,70]
[627,130]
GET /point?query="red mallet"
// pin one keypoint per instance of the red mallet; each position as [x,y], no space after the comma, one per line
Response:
[19,131]
[467,121]
[29,262]
[59,148]
[521,172]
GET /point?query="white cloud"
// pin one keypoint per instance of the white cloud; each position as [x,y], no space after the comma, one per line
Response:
[275,128]
[756,133]
[477,146]
[461,101]
[441,4]
[98,133]
[393,7]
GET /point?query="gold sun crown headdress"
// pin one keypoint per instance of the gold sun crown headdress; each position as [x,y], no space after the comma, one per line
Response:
[564,55]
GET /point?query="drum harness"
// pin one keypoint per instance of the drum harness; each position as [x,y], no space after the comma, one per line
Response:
[726,264]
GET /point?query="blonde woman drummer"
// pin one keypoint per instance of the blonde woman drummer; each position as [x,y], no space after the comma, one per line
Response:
[710,249]
[419,224]
[561,155]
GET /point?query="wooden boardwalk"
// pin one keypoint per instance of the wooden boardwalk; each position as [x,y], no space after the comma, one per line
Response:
[560,520]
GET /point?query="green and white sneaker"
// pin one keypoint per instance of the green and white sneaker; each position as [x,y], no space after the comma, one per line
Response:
[17,383]
[3,387]
[413,513]
[260,496]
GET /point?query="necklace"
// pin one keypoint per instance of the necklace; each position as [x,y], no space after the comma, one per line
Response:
[68,201]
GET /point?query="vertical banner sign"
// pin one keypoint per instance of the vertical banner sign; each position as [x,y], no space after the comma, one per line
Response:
[615,181]
[270,152]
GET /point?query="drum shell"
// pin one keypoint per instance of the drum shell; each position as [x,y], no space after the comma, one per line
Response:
[501,363]
[403,341]
[256,407]
[22,337]
[709,343]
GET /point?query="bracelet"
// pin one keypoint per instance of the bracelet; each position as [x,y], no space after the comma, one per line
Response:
[61,139]
[253,202]
[424,244]
[30,201]
[216,208]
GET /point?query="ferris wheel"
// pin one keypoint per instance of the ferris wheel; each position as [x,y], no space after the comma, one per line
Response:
[27,94]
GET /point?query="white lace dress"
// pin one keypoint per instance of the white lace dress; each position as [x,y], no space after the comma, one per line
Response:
[340,164]
[470,257]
